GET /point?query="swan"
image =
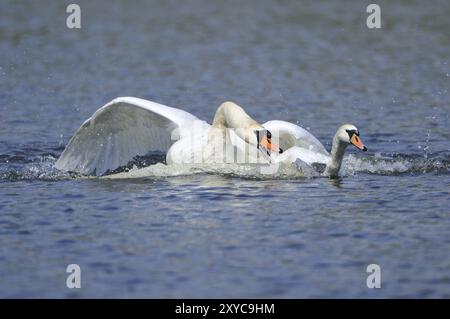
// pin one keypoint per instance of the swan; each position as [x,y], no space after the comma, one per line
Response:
[301,145]
[233,132]
[128,126]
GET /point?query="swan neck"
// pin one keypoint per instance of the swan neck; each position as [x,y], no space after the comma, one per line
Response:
[220,120]
[337,154]
[231,115]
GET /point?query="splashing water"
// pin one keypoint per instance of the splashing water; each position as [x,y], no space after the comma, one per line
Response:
[397,164]
[14,168]
[32,166]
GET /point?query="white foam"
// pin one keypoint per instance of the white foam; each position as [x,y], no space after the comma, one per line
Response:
[375,165]
[256,171]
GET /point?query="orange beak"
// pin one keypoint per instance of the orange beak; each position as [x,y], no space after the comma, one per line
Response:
[355,140]
[269,146]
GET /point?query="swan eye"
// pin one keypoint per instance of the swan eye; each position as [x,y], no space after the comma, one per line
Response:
[352,132]
[261,133]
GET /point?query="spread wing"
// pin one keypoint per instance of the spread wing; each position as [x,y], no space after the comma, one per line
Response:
[119,131]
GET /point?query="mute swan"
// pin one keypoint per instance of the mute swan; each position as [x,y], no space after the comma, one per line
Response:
[310,151]
[127,127]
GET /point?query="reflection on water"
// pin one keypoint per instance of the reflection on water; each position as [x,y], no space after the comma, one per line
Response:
[337,182]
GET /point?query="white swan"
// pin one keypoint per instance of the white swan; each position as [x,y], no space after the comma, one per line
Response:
[301,145]
[127,127]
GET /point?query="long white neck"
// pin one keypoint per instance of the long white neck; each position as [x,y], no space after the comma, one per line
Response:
[231,115]
[337,154]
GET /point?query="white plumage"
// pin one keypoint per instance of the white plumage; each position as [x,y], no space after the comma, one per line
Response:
[127,127]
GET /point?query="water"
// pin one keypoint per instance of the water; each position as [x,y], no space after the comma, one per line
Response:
[189,233]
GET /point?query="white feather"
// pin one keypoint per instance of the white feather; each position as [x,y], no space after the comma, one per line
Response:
[119,131]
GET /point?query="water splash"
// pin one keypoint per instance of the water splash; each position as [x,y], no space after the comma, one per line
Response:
[247,171]
[14,168]
[20,166]
[397,164]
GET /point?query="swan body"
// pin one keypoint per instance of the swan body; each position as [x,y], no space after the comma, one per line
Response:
[302,145]
[127,127]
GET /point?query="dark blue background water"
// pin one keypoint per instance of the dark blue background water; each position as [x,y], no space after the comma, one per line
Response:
[309,62]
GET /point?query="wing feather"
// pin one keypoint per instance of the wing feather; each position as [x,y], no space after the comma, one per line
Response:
[119,131]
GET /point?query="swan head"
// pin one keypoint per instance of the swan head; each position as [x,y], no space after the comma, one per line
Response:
[263,139]
[349,134]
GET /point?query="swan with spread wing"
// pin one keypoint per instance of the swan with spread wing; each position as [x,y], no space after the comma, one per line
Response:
[128,127]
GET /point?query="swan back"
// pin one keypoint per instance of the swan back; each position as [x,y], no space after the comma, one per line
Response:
[290,135]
